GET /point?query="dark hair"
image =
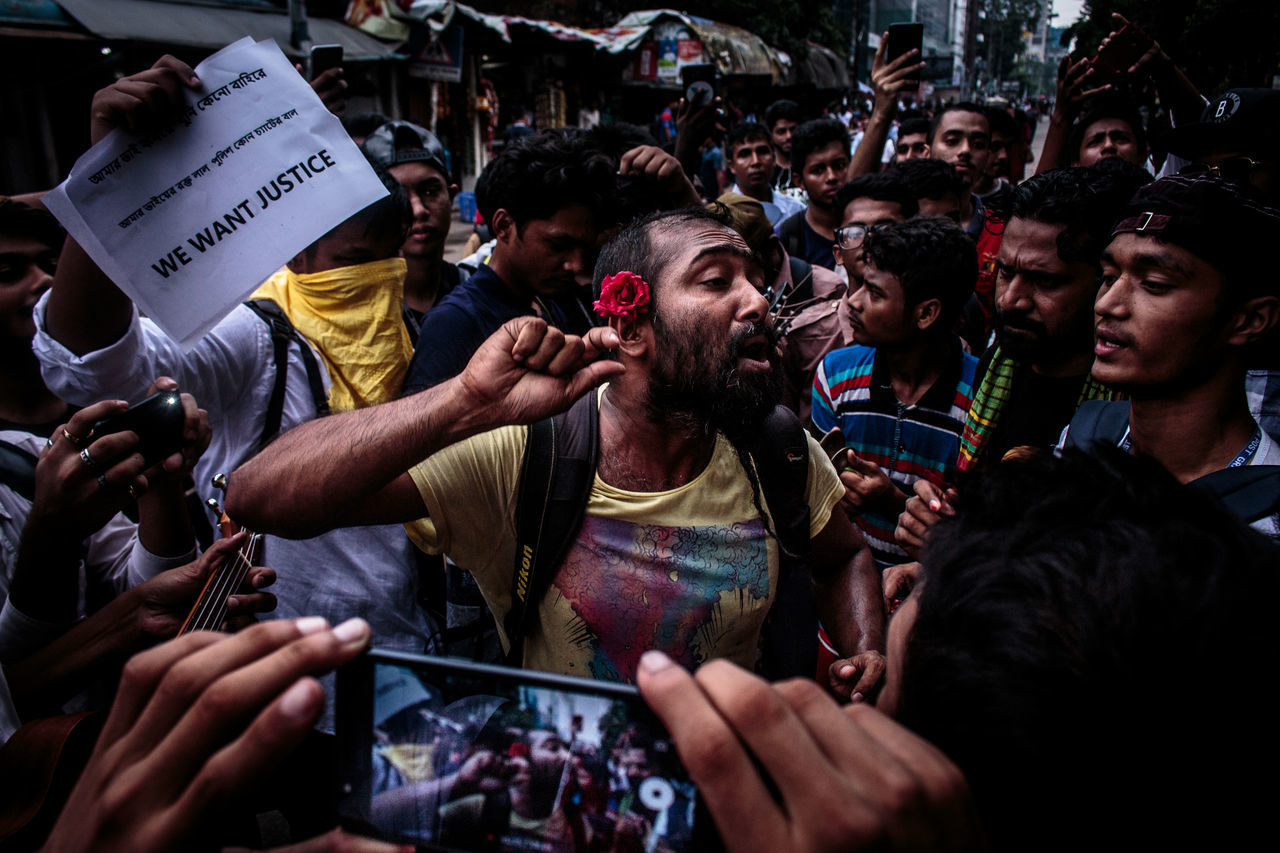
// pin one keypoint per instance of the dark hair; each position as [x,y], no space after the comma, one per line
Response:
[634,249]
[782,109]
[389,217]
[544,172]
[914,125]
[931,257]
[21,220]
[1001,122]
[362,124]
[813,135]
[928,178]
[962,107]
[1088,201]
[881,186]
[1113,107]
[745,132]
[1087,631]
[1229,226]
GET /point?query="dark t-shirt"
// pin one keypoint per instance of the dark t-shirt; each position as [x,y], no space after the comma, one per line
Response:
[456,326]
[1037,410]
[812,246]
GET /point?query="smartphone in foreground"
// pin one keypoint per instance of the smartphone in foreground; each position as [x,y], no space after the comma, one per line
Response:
[451,755]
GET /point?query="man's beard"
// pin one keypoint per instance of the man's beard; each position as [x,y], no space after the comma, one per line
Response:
[691,382]
[1021,337]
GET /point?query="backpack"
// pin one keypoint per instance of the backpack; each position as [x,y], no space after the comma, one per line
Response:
[1249,492]
[556,475]
[282,336]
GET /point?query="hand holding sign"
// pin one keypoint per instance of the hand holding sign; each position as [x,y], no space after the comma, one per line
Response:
[143,101]
[167,184]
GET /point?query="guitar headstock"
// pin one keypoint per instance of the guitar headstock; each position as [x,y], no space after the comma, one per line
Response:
[225,524]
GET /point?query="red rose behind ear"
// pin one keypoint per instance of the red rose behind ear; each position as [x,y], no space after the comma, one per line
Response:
[623,294]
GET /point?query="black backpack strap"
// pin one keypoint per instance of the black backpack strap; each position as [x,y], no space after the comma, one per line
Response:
[18,470]
[282,335]
[555,481]
[1249,492]
[789,639]
[1098,421]
[791,233]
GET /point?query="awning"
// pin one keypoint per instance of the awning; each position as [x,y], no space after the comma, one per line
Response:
[731,49]
[213,27]
[822,68]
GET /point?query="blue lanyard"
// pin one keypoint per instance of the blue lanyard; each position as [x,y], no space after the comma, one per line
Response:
[1241,459]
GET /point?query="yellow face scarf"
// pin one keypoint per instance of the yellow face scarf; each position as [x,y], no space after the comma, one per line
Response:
[352,315]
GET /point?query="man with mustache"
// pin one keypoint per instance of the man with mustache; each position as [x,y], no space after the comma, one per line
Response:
[1037,374]
[675,548]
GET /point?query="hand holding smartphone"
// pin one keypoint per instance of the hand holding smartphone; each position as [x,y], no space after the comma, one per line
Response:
[451,755]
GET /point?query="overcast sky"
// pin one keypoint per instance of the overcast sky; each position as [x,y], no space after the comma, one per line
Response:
[1066,12]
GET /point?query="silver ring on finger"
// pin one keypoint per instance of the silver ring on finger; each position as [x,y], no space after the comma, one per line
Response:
[87,458]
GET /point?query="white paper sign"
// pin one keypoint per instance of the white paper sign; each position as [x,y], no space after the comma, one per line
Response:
[190,219]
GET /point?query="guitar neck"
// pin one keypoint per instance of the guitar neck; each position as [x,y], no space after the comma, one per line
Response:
[210,609]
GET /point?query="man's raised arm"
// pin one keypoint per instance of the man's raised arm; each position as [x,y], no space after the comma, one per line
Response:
[349,468]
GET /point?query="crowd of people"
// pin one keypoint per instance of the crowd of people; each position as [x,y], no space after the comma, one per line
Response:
[983,464]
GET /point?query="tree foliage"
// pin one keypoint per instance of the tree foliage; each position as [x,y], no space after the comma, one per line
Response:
[1003,24]
[1220,44]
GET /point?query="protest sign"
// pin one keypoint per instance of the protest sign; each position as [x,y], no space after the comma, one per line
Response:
[189,219]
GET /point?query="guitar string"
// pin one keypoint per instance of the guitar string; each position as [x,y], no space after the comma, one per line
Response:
[213,606]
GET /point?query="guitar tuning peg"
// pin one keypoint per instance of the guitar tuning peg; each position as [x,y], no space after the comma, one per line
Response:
[212,503]
[220,482]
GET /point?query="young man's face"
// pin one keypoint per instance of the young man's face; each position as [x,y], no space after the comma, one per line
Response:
[26,271]
[752,162]
[823,174]
[781,131]
[1160,326]
[879,310]
[550,255]
[963,139]
[913,146]
[1044,306]
[431,198]
[1109,137]
[348,245]
[864,214]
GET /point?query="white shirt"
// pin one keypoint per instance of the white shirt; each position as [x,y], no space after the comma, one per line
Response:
[370,572]
[780,206]
[112,559]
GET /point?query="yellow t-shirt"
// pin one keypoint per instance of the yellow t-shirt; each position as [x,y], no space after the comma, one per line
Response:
[689,571]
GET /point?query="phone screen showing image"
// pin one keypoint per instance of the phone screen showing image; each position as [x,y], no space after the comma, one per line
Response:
[449,755]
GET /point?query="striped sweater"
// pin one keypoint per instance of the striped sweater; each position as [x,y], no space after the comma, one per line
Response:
[852,390]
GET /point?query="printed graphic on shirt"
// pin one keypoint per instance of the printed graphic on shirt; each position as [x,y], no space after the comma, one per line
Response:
[684,590]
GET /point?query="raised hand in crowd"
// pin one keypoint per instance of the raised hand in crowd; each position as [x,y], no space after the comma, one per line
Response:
[783,767]
[1076,84]
[141,100]
[920,513]
[195,722]
[1176,90]
[651,163]
[694,124]
[887,80]
[331,87]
